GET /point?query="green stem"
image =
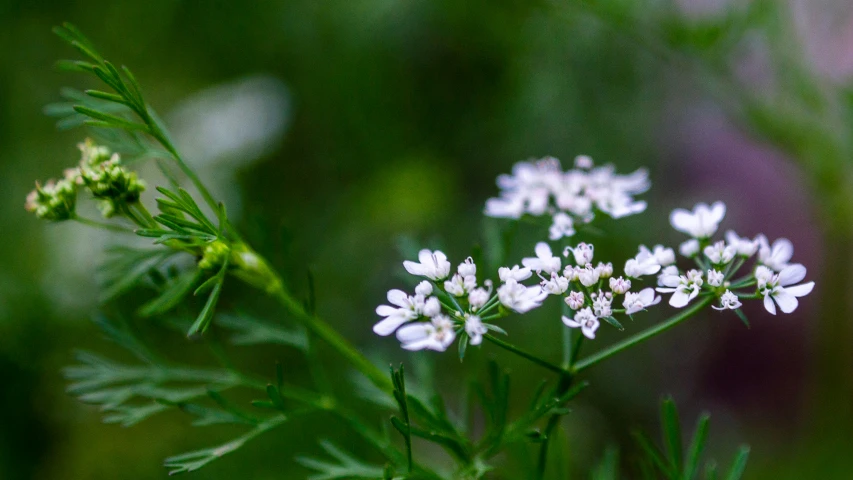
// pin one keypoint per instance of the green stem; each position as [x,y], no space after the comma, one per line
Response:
[553,420]
[529,356]
[642,336]
[102,225]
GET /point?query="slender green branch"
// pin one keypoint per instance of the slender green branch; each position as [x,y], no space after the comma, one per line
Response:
[102,225]
[533,358]
[642,336]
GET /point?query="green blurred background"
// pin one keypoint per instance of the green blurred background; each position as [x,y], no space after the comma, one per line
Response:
[350,124]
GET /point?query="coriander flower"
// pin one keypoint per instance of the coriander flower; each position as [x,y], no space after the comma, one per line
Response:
[644,263]
[702,222]
[433,265]
[664,256]
[520,298]
[582,253]
[478,297]
[588,276]
[619,285]
[776,256]
[575,300]
[684,288]
[635,302]
[601,304]
[544,261]
[467,268]
[455,286]
[435,335]
[562,226]
[719,253]
[475,329]
[516,273]
[715,278]
[742,245]
[584,319]
[405,309]
[556,285]
[424,288]
[728,301]
[431,308]
[55,200]
[780,288]
[689,248]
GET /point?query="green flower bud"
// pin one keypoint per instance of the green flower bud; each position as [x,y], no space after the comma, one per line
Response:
[56,200]
[214,255]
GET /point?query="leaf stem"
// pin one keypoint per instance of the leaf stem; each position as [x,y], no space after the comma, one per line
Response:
[102,225]
[529,356]
[642,336]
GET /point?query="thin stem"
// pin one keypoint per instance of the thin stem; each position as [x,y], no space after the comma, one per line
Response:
[642,336]
[529,356]
[567,341]
[553,420]
[102,225]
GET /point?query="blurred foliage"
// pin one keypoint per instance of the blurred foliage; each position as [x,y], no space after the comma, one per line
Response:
[404,113]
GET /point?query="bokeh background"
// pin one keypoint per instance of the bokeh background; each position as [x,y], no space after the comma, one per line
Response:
[341,133]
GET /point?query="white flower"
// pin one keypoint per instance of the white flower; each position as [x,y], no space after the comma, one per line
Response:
[668,275]
[475,329]
[689,248]
[777,256]
[620,285]
[588,276]
[582,253]
[505,207]
[781,289]
[702,222]
[477,298]
[715,278]
[683,288]
[431,307]
[544,261]
[556,285]
[467,268]
[469,282]
[584,319]
[516,273]
[719,253]
[601,305]
[455,286]
[571,273]
[436,335]
[635,302]
[583,161]
[644,263]
[563,226]
[406,309]
[604,270]
[743,246]
[520,298]
[728,301]
[663,256]
[424,288]
[575,300]
[433,265]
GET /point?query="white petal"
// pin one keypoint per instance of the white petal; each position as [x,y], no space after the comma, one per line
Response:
[388,325]
[682,220]
[413,332]
[782,250]
[718,211]
[800,290]
[414,268]
[588,332]
[787,302]
[769,305]
[570,323]
[543,250]
[385,310]
[398,297]
[679,299]
[792,274]
[425,256]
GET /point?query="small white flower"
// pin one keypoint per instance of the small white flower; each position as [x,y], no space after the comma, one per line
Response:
[455,286]
[604,270]
[601,305]
[663,256]
[433,265]
[583,161]
[516,273]
[728,301]
[563,226]
[743,246]
[571,273]
[702,222]
[781,289]
[475,329]
[436,335]
[689,248]
[544,261]
[467,268]
[683,288]
[424,288]
[431,307]
[575,300]
[635,302]
[719,253]
[477,298]
[582,253]
[588,276]
[556,285]
[469,282]
[405,309]
[668,275]
[715,278]
[584,319]
[775,256]
[619,285]
[520,298]
[511,206]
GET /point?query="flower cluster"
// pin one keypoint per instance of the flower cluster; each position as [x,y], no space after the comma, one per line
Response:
[108,180]
[773,277]
[445,306]
[569,197]
[55,200]
[590,290]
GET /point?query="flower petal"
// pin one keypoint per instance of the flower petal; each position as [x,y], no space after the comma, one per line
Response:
[792,274]
[682,220]
[782,250]
[387,326]
[718,211]
[679,299]
[543,250]
[787,302]
[800,290]
[769,305]
[398,297]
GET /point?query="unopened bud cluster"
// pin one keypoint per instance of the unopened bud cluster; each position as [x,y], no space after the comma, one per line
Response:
[107,179]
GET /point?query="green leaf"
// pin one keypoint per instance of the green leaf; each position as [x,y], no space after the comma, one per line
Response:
[672,433]
[697,444]
[175,291]
[742,317]
[252,331]
[614,322]
[203,320]
[107,120]
[739,464]
[343,466]
[463,345]
[653,454]
[608,467]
